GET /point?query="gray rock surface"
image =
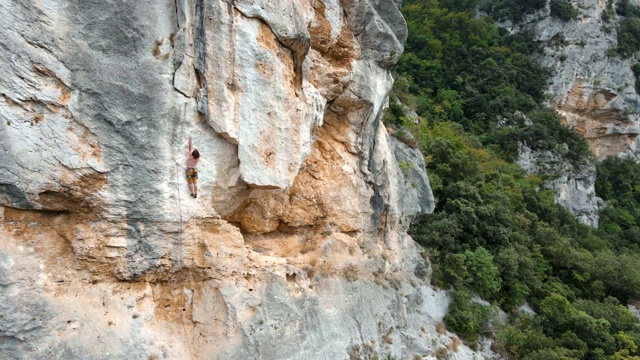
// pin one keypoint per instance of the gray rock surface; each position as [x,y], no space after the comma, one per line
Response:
[594,93]
[572,184]
[381,26]
[296,247]
[634,310]
[278,318]
[417,189]
[592,90]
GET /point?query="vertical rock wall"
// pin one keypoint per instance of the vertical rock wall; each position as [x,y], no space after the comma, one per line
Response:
[296,246]
[572,183]
[593,91]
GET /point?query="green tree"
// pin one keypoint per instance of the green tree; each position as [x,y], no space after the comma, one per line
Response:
[485,277]
[559,316]
[563,9]
[512,9]
[629,36]
[467,318]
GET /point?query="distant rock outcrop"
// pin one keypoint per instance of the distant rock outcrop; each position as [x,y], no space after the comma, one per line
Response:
[573,184]
[594,92]
[593,89]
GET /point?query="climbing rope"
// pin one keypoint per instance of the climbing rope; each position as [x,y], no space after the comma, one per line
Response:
[184,327]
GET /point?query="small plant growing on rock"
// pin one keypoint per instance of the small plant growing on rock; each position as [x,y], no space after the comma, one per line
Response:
[455,344]
[350,272]
[441,354]
[405,167]
[404,135]
[387,337]
[156,49]
[563,10]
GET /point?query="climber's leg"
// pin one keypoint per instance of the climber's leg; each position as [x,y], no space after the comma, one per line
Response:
[191,180]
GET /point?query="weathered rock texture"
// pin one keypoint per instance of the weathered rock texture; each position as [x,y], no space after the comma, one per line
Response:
[296,246]
[593,91]
[573,184]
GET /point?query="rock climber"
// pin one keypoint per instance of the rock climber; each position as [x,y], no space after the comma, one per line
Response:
[192,171]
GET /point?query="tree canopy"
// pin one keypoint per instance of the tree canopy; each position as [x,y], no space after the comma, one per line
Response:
[496,233]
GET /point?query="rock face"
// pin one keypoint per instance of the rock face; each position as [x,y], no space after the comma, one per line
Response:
[594,93]
[573,184]
[592,90]
[296,246]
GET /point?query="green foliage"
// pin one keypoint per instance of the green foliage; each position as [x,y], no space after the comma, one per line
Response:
[543,354]
[609,13]
[629,28]
[465,69]
[563,9]
[512,9]
[620,274]
[468,318]
[584,329]
[618,183]
[474,270]
[626,8]
[610,309]
[522,42]
[629,36]
[559,316]
[495,232]
[485,276]
[396,115]
[547,133]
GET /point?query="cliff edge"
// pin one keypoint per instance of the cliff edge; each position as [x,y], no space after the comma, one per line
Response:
[296,246]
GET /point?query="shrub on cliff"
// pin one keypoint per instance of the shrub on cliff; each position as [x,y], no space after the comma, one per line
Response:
[628,29]
[563,10]
[468,318]
[629,36]
[514,10]
[617,183]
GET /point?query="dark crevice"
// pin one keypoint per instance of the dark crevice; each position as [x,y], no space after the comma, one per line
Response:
[175,3]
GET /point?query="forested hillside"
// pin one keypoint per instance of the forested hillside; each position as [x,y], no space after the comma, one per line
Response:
[496,233]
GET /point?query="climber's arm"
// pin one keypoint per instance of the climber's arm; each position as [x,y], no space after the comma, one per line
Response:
[190,150]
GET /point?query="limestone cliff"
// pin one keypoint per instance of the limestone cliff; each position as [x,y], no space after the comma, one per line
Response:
[296,246]
[573,184]
[592,90]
